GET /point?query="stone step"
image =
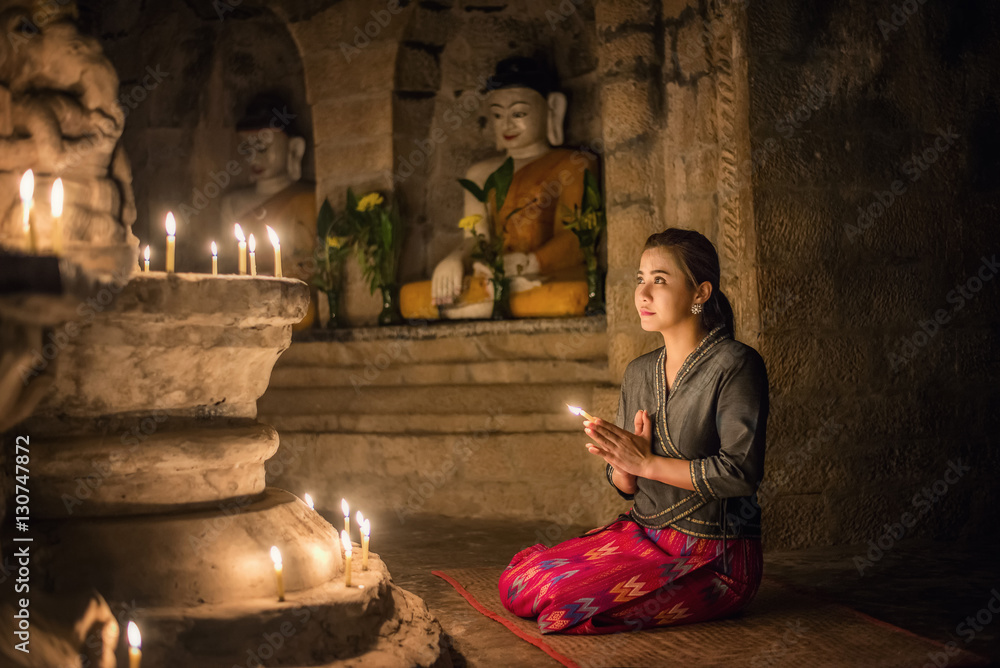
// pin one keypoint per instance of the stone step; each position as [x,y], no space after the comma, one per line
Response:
[389,401]
[400,372]
[497,475]
[421,423]
[569,345]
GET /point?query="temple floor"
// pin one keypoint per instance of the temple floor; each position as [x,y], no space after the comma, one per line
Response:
[926,587]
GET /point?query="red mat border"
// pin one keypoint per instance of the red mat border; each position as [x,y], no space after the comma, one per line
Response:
[569,663]
[540,644]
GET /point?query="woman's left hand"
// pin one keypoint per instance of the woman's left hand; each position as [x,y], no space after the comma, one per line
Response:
[626,452]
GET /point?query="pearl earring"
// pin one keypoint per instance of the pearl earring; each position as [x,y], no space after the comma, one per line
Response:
[696,308]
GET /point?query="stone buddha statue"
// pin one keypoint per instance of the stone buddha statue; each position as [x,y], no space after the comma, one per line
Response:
[273,149]
[542,257]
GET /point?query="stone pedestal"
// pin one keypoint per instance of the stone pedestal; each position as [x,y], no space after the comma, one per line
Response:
[148,484]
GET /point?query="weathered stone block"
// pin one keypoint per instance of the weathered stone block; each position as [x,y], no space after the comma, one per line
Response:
[633,116]
[352,119]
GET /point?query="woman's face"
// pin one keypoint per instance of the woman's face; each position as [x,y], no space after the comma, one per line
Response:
[663,295]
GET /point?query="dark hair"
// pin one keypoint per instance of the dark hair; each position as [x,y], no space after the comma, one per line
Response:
[699,261]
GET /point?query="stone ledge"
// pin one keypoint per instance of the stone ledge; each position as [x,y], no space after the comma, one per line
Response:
[439,330]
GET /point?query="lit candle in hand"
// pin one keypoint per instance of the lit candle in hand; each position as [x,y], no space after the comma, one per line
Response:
[145,255]
[215,259]
[243,249]
[27,193]
[171,231]
[252,245]
[57,211]
[575,410]
[273,236]
[346,540]
[278,574]
[347,516]
[134,646]
[366,530]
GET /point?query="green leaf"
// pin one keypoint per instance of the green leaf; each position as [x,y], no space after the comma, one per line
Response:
[502,180]
[591,192]
[324,221]
[476,191]
[352,202]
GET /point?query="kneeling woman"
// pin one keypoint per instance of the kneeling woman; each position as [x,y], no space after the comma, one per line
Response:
[689,549]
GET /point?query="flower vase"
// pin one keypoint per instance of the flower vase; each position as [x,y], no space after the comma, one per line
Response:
[501,299]
[333,299]
[595,286]
[390,314]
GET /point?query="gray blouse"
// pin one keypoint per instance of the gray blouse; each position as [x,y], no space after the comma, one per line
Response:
[714,416]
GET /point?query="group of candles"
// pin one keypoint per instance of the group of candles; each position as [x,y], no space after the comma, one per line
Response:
[27,192]
[364,527]
[243,244]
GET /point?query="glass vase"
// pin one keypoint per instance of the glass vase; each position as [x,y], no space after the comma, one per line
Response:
[595,286]
[333,299]
[501,299]
[390,314]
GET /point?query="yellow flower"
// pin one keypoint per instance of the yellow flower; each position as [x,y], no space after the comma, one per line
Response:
[335,242]
[470,222]
[369,202]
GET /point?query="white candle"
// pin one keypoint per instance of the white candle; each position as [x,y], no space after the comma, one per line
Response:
[243,249]
[278,571]
[273,236]
[366,530]
[579,411]
[57,211]
[345,538]
[145,255]
[27,194]
[171,231]
[252,244]
[347,515]
[215,259]
[134,646]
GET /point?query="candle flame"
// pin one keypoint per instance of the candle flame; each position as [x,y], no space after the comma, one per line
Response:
[346,508]
[252,243]
[366,528]
[276,556]
[134,637]
[309,501]
[345,540]
[27,186]
[171,224]
[273,236]
[360,518]
[575,410]
[57,198]
[215,250]
[145,253]
[239,233]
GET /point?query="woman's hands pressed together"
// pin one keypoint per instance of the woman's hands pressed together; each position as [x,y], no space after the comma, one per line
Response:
[628,453]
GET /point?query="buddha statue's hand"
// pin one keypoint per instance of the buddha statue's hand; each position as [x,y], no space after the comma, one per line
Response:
[521,264]
[446,282]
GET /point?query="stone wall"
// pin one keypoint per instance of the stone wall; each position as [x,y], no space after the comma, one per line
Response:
[876,187]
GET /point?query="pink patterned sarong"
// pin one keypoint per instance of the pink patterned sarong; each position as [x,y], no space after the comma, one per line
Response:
[626,577]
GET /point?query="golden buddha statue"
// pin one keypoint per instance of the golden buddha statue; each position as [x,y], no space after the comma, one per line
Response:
[542,257]
[273,150]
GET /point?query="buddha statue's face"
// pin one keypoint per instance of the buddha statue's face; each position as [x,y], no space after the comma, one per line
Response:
[268,153]
[520,117]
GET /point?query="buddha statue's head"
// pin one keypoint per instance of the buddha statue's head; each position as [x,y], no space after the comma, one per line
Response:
[270,140]
[524,108]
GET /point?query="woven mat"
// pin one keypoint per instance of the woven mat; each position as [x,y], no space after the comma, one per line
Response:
[781,627]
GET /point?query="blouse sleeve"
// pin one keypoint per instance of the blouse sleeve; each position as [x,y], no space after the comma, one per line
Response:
[620,422]
[741,421]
